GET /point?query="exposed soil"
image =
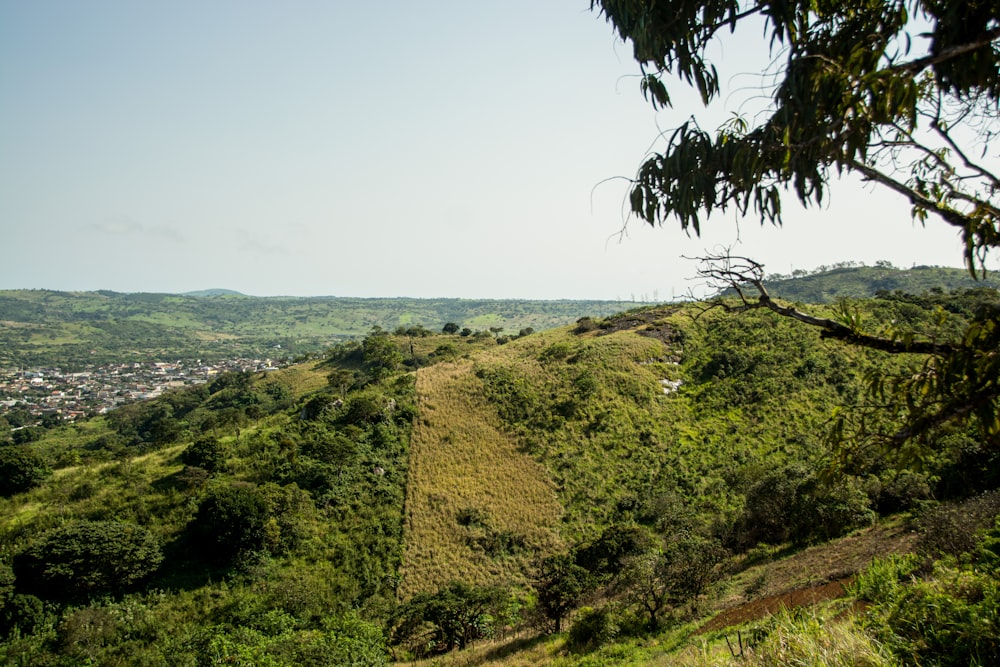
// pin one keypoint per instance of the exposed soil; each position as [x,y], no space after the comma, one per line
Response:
[813,575]
[766,606]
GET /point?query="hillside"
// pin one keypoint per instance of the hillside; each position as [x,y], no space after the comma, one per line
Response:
[590,494]
[826,285]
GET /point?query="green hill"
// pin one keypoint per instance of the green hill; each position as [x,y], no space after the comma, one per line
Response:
[826,285]
[623,480]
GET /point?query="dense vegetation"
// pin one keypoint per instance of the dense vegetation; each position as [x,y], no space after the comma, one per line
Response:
[613,482]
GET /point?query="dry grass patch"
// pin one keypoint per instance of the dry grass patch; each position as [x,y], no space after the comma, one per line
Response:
[303,379]
[477,509]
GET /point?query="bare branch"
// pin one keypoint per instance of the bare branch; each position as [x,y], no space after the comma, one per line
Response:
[982,171]
[741,273]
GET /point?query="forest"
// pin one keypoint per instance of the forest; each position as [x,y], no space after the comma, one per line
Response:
[640,487]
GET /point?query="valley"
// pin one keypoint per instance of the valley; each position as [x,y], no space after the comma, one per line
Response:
[647,486]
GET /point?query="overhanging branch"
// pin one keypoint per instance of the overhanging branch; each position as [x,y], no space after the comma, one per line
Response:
[736,273]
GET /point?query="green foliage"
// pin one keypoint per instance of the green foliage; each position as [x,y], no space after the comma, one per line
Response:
[86,558]
[381,355]
[25,614]
[206,453]
[949,620]
[21,469]
[27,434]
[671,575]
[593,627]
[921,285]
[844,99]
[954,529]
[842,91]
[70,330]
[794,504]
[452,617]
[605,557]
[560,584]
[231,523]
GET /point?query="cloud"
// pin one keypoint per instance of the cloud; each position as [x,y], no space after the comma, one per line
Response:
[124,226]
[246,241]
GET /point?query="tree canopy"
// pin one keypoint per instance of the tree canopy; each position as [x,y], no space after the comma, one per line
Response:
[903,93]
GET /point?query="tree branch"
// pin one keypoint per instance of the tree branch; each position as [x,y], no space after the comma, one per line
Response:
[729,272]
[916,66]
[946,213]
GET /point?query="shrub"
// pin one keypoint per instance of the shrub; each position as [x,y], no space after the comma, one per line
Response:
[593,627]
[23,436]
[21,469]
[456,615]
[206,453]
[951,529]
[950,620]
[605,556]
[802,639]
[27,613]
[88,557]
[792,504]
[231,523]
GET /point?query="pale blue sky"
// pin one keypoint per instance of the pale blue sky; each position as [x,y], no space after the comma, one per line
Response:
[435,149]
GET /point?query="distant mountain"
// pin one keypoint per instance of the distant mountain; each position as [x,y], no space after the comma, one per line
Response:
[213,292]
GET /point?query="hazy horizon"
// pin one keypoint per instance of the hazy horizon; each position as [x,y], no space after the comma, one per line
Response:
[459,150]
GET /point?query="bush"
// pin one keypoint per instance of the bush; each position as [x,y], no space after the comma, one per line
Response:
[21,469]
[593,627]
[953,528]
[88,557]
[206,453]
[231,523]
[792,504]
[27,613]
[950,620]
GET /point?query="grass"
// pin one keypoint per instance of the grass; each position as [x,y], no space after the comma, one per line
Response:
[461,461]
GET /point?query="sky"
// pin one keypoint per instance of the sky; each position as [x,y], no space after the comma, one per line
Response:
[376,149]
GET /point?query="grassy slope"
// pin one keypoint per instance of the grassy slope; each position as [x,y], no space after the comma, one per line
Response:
[461,460]
[546,440]
[590,407]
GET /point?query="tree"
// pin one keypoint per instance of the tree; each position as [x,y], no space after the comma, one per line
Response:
[673,575]
[456,615]
[88,557]
[26,434]
[450,328]
[903,93]
[560,585]
[21,469]
[382,356]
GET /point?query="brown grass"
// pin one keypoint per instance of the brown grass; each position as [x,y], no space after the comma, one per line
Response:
[460,459]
